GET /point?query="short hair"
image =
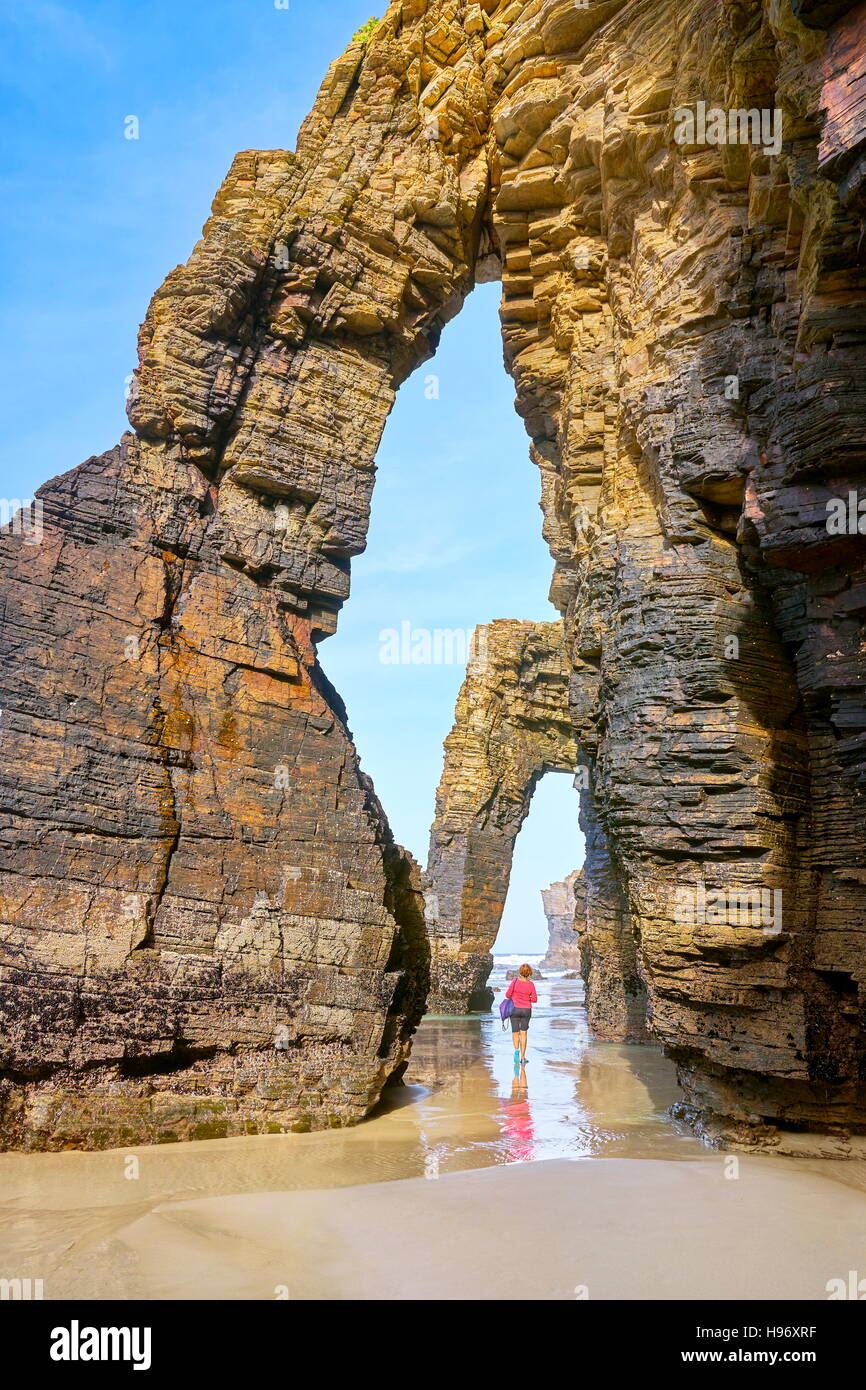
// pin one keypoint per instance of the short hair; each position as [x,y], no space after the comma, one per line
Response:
[525,970]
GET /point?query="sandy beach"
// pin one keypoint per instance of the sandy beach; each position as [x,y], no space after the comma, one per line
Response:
[465,1184]
[608,1229]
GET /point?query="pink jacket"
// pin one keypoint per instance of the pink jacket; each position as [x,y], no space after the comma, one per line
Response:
[522,992]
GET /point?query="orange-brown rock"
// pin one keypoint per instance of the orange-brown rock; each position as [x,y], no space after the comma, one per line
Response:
[206,926]
[191,859]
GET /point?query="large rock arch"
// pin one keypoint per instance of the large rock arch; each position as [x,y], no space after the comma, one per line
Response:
[684,325]
[513,723]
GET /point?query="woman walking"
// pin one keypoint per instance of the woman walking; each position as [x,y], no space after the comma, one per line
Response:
[522,992]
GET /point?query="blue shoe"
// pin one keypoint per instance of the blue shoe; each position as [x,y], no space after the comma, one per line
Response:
[517,1054]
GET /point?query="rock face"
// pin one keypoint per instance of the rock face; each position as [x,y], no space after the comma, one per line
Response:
[193,866]
[715,625]
[206,927]
[565,909]
[685,325]
[610,961]
[512,724]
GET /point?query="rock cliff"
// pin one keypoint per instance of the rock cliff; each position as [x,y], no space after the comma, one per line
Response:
[684,320]
[206,926]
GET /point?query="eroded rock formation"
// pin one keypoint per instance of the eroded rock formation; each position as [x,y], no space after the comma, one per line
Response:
[680,393]
[685,326]
[565,910]
[511,725]
[191,858]
[610,960]
[206,926]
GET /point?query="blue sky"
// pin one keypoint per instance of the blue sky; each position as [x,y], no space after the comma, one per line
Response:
[92,224]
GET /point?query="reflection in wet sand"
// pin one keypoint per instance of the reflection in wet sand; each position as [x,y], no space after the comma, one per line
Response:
[463,1108]
[577,1098]
[517,1119]
[163,1221]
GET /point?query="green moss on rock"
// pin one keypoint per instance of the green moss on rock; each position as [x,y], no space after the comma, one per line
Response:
[365,32]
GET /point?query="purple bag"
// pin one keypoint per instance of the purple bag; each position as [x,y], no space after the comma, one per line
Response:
[506,1009]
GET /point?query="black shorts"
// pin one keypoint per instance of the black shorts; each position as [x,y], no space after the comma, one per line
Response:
[520,1020]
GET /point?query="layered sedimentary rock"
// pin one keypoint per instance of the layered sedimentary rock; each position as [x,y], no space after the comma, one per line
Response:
[511,725]
[192,860]
[693,384]
[610,960]
[206,926]
[565,909]
[685,325]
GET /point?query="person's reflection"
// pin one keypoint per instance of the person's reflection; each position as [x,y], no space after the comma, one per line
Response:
[517,1119]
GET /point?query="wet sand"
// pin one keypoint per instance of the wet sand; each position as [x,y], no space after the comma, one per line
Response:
[579,1169]
[612,1229]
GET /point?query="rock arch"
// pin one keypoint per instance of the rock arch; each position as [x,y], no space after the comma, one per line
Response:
[512,724]
[684,326]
